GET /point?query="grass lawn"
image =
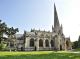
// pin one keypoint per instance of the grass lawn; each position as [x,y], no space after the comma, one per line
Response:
[39,55]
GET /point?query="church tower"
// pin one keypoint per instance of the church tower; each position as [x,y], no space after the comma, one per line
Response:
[57,30]
[56,21]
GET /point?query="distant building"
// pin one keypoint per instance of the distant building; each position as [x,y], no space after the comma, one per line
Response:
[44,40]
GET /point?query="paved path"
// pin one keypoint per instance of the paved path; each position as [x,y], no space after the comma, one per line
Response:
[76,52]
[72,51]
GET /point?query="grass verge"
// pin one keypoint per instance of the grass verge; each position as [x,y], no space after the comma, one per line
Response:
[39,55]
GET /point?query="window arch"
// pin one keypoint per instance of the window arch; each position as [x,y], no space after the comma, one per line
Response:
[40,43]
[47,43]
[52,43]
[31,42]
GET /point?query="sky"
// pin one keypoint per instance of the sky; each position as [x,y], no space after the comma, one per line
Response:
[39,14]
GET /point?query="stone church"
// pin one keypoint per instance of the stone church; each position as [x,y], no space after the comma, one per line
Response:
[44,40]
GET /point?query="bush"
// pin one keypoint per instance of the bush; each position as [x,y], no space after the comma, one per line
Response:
[3,46]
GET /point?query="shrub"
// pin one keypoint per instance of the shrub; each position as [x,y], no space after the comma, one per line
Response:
[3,46]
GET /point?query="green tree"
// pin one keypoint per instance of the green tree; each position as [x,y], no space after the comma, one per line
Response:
[10,32]
[75,45]
[3,27]
[11,36]
[79,42]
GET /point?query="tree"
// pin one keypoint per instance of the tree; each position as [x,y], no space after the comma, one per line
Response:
[3,27]
[79,42]
[11,36]
[75,45]
[10,32]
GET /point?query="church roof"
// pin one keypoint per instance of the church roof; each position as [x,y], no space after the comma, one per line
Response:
[18,35]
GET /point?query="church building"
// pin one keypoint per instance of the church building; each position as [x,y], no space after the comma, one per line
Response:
[37,40]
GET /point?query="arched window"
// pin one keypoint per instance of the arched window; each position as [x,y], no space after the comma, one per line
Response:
[40,43]
[52,43]
[31,42]
[47,43]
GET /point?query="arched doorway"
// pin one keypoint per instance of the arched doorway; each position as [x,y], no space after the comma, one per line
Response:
[40,43]
[47,43]
[31,42]
[22,49]
[60,47]
[52,43]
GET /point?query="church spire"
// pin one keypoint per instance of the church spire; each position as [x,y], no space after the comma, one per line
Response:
[56,21]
